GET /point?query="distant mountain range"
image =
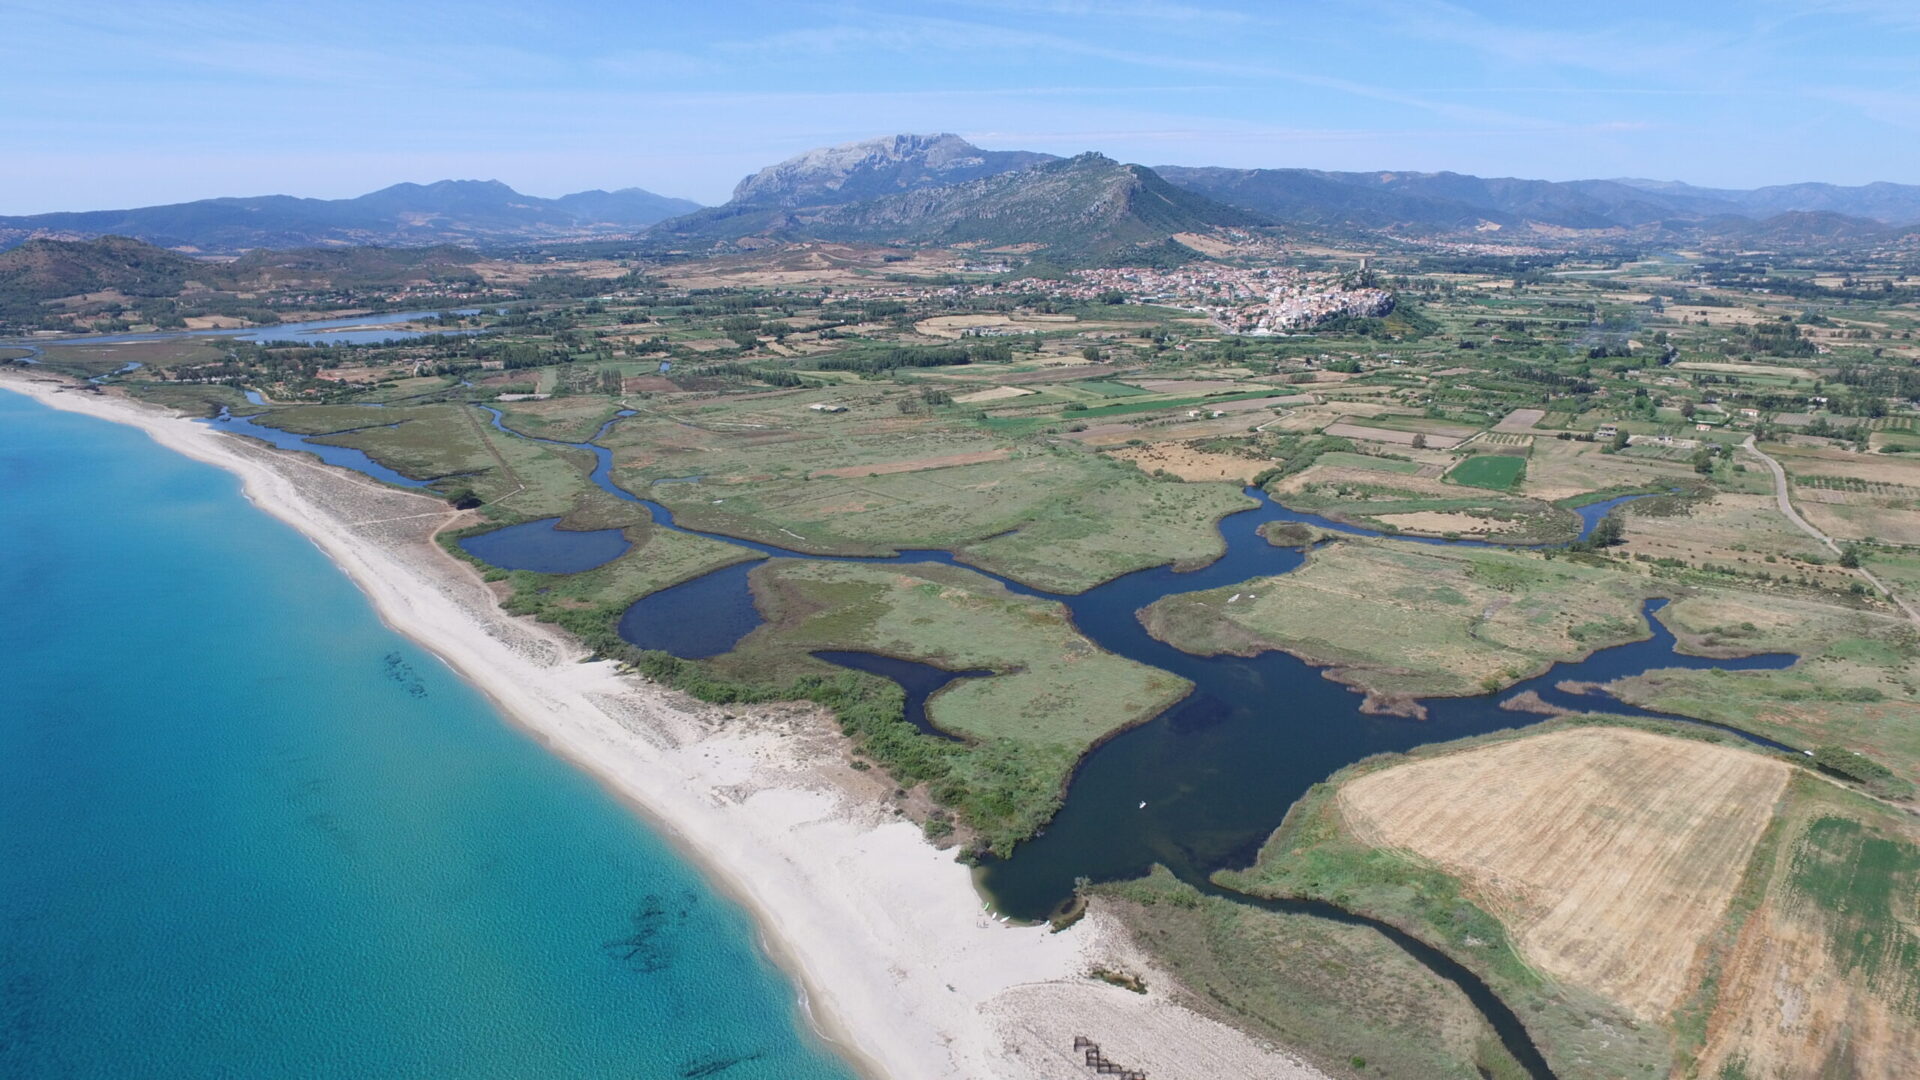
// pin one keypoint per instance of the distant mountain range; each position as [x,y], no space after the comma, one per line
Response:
[449,211]
[941,189]
[1453,201]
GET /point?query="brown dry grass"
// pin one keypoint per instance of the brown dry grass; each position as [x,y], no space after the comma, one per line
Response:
[1788,1010]
[1880,504]
[1559,468]
[1189,463]
[1739,531]
[1610,853]
[1788,1007]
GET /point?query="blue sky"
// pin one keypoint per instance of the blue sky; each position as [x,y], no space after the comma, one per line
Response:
[130,103]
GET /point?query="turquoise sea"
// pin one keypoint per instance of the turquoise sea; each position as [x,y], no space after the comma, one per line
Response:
[247,831]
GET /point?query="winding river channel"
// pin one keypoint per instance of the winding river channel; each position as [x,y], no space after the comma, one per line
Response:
[1199,787]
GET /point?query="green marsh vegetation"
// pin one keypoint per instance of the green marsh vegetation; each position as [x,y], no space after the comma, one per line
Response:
[1054,695]
[1333,991]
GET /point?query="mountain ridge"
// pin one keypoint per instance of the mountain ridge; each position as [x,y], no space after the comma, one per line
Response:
[939,188]
[404,214]
[1446,201]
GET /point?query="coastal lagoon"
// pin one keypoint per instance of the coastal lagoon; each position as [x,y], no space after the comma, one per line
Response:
[250,831]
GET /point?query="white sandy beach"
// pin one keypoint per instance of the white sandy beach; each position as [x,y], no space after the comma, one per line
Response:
[899,962]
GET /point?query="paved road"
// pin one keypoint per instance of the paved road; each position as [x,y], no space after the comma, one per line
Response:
[1786,507]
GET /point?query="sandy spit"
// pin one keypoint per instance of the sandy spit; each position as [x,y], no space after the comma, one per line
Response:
[900,966]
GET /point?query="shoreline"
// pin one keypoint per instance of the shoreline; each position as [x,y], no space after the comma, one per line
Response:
[897,965]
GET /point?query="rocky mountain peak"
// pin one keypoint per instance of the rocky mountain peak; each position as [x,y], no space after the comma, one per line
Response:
[870,168]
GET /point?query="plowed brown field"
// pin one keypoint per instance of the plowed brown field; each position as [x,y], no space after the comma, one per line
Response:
[1609,853]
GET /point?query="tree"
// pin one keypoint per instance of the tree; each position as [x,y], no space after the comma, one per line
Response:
[1606,532]
[1850,557]
[1419,441]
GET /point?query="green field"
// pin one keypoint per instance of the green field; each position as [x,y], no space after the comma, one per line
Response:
[1112,389]
[1496,472]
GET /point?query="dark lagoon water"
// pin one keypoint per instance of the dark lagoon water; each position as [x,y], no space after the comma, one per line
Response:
[247,831]
[920,681]
[545,548]
[346,457]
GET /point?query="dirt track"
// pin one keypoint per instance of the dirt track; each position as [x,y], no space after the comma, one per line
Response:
[1782,496]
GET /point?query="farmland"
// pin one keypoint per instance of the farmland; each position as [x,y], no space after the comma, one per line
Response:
[1640,893]
[1498,472]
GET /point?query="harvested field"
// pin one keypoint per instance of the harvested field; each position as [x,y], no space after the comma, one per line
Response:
[1440,523]
[997,393]
[1521,420]
[1730,368]
[954,326]
[1386,435]
[1189,463]
[1610,853]
[1115,433]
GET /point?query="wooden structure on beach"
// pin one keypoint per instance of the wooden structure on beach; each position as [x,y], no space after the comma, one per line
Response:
[1098,1062]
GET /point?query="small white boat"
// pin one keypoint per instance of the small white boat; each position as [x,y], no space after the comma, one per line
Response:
[1143,806]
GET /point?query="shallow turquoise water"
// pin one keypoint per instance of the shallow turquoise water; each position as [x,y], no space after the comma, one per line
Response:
[247,831]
